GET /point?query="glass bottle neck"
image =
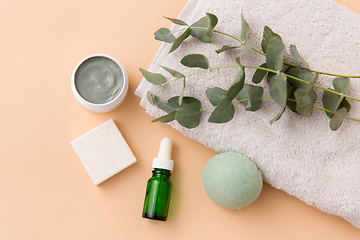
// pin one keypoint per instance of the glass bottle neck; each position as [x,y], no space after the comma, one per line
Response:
[158,172]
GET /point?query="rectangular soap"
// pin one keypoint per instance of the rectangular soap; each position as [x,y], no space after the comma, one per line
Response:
[103,152]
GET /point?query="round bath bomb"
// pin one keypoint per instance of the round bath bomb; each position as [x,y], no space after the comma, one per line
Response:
[232,180]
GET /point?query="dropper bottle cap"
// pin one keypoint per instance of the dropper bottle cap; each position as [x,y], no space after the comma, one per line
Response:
[163,160]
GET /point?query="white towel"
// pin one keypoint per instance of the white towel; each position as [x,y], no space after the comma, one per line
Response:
[298,155]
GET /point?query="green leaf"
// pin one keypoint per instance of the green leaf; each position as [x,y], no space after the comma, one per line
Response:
[182,93]
[203,29]
[237,59]
[213,20]
[150,98]
[259,74]
[338,119]
[174,73]
[341,84]
[237,84]
[195,60]
[309,86]
[275,54]
[291,102]
[200,28]
[294,52]
[189,114]
[247,47]
[168,106]
[225,48]
[166,118]
[302,73]
[165,35]
[177,21]
[180,39]
[223,112]
[305,101]
[254,94]
[267,37]
[154,78]
[279,88]
[245,29]
[174,101]
[215,95]
[344,104]
[331,101]
[278,116]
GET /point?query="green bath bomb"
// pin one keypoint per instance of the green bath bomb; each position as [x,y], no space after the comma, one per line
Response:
[232,180]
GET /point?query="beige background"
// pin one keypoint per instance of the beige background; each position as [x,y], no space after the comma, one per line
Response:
[46,193]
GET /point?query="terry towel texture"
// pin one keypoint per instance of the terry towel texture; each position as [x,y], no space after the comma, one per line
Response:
[298,155]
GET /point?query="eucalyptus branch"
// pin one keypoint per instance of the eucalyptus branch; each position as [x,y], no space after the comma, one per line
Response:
[303,81]
[295,81]
[264,54]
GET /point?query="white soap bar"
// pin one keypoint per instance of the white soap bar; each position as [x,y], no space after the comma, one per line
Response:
[103,151]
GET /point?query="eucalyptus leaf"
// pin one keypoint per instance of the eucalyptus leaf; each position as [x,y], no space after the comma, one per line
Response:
[180,39]
[189,114]
[305,101]
[150,98]
[177,21]
[174,101]
[195,60]
[253,94]
[278,116]
[245,29]
[200,28]
[168,106]
[331,101]
[344,104]
[268,35]
[223,112]
[237,59]
[165,35]
[279,88]
[338,119]
[174,73]
[203,29]
[259,74]
[275,54]
[237,84]
[213,20]
[225,48]
[309,86]
[182,93]
[291,102]
[215,95]
[294,52]
[341,84]
[302,73]
[166,118]
[154,78]
[247,47]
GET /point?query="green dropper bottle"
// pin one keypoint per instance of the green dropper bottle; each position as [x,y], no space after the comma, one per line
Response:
[158,189]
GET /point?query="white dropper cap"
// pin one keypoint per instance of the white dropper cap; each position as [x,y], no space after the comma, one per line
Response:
[163,160]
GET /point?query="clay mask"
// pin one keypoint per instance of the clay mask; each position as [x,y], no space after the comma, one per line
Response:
[99,80]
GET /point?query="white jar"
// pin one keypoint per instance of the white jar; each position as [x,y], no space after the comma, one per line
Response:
[106,106]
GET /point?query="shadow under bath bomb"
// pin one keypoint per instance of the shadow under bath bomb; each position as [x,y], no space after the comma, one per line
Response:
[103,152]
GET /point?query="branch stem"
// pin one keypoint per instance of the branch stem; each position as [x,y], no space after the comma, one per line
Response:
[193,73]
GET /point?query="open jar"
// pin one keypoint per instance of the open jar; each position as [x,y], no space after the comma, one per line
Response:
[100,83]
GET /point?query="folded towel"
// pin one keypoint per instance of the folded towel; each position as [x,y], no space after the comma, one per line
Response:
[298,155]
